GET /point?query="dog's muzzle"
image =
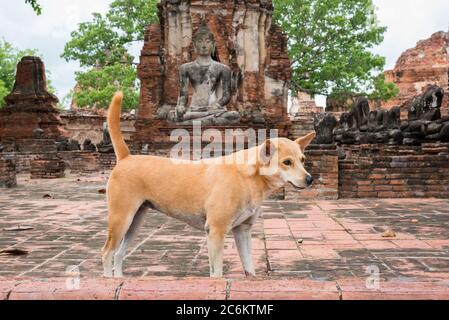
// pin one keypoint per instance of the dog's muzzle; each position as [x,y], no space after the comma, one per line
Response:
[295,186]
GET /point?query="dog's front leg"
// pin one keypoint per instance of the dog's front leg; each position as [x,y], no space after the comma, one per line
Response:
[215,246]
[242,236]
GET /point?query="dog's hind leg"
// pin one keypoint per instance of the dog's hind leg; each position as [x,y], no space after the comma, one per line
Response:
[121,216]
[127,239]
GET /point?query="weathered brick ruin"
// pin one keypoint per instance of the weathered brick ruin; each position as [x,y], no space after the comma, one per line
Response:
[47,166]
[305,104]
[382,156]
[29,106]
[7,172]
[302,113]
[247,42]
[81,125]
[417,68]
[36,139]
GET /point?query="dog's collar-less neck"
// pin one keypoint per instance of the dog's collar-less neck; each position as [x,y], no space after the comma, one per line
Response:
[269,187]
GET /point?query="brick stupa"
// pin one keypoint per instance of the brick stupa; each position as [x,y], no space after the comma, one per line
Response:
[30,106]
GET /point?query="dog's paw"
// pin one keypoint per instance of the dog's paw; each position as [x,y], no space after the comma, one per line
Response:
[250,275]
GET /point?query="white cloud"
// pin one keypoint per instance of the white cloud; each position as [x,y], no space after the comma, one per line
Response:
[408,21]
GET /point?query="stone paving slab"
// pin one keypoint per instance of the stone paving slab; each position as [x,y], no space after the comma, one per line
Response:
[323,249]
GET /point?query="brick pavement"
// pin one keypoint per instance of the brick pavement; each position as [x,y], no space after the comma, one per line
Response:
[307,250]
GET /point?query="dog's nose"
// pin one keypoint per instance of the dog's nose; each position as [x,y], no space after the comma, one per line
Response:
[309,180]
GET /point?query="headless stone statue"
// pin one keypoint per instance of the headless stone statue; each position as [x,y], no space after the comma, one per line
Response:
[105,146]
[424,117]
[89,146]
[324,124]
[361,111]
[211,82]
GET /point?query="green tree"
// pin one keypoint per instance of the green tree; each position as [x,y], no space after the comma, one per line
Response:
[101,46]
[9,58]
[97,86]
[35,5]
[105,40]
[329,46]
[3,93]
[96,43]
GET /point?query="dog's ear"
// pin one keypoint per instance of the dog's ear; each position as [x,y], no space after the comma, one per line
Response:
[266,152]
[306,140]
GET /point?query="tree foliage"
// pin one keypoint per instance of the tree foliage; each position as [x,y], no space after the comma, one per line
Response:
[35,5]
[101,46]
[105,39]
[95,43]
[329,45]
[97,86]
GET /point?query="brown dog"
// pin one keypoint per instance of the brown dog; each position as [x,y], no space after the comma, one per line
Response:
[214,197]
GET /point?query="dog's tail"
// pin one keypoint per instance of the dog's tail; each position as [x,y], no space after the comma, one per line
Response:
[120,147]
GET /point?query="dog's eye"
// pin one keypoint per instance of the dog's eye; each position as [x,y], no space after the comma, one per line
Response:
[288,163]
[303,160]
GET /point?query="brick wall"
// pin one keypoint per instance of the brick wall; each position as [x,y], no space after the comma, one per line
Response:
[90,126]
[7,172]
[47,166]
[302,125]
[75,161]
[380,171]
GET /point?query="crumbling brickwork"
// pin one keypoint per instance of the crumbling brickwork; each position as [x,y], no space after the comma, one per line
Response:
[426,64]
[47,166]
[80,126]
[30,106]
[7,172]
[88,162]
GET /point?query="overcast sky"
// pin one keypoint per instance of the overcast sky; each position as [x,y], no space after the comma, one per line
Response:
[408,21]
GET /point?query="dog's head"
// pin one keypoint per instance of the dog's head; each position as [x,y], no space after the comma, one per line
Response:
[282,160]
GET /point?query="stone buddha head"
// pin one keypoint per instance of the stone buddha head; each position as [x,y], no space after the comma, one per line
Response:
[204,41]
